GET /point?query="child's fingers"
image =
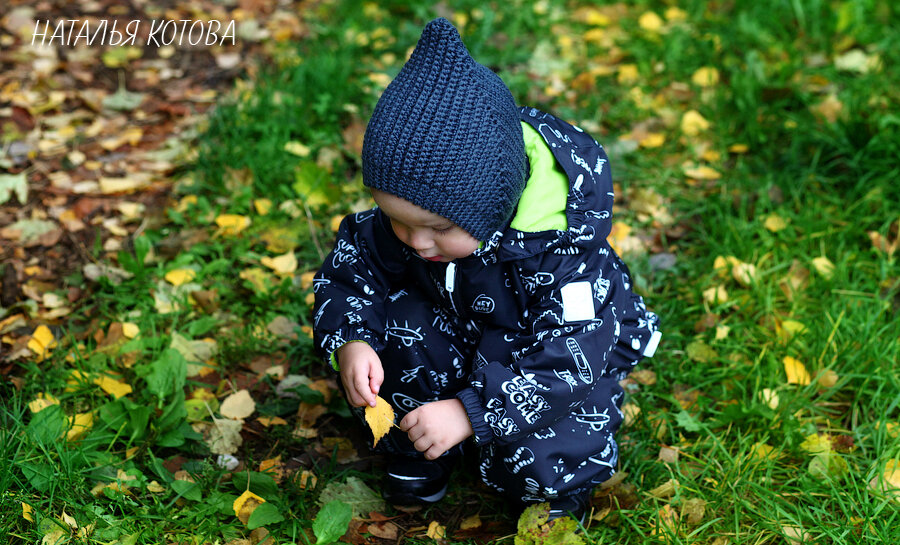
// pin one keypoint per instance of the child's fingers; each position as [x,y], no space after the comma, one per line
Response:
[408,421]
[363,394]
[376,374]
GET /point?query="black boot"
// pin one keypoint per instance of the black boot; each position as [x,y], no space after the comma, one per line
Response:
[416,481]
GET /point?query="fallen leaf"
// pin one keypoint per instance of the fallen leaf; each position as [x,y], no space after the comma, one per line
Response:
[178,277]
[762,451]
[262,206]
[41,402]
[130,330]
[795,370]
[702,172]
[224,436]
[715,295]
[355,493]
[79,425]
[823,266]
[283,265]
[436,531]
[27,511]
[238,405]
[650,21]
[113,387]
[385,530]
[232,224]
[827,378]
[470,522]
[665,490]
[706,76]
[692,123]
[769,397]
[652,140]
[297,148]
[816,443]
[380,418]
[268,421]
[245,504]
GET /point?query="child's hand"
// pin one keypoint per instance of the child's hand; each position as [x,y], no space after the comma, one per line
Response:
[361,373]
[437,426]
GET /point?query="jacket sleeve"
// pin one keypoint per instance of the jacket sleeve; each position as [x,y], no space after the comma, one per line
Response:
[582,325]
[354,281]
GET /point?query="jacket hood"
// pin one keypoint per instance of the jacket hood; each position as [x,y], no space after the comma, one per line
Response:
[589,202]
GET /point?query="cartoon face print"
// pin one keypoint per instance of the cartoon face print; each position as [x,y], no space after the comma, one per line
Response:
[405,334]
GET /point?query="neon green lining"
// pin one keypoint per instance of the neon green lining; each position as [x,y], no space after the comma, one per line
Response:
[542,206]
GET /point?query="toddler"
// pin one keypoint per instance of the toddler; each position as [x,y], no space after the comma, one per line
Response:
[480,297]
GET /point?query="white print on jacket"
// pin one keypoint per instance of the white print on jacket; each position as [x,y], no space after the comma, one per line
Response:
[365,215]
[496,418]
[566,376]
[344,252]
[581,362]
[595,419]
[404,333]
[538,279]
[410,374]
[522,457]
[405,402]
[523,394]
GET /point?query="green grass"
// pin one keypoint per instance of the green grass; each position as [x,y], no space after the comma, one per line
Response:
[832,181]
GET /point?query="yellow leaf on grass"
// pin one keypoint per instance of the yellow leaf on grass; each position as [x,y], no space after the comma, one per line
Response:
[130,330]
[692,123]
[769,397]
[306,279]
[113,387]
[267,421]
[245,504]
[297,148]
[762,451]
[702,172]
[81,423]
[628,73]
[436,531]
[652,140]
[41,402]
[715,294]
[336,223]
[675,14]
[283,265]
[262,206]
[41,341]
[744,273]
[706,76]
[892,473]
[796,371]
[775,223]
[650,21]
[739,148]
[258,278]
[232,224]
[469,523]
[177,277]
[827,378]
[380,418]
[823,266]
[27,510]
[816,444]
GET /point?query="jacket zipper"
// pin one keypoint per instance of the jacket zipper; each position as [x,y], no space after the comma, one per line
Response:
[450,283]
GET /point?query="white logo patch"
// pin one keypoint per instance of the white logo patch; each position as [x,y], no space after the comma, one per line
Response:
[577,301]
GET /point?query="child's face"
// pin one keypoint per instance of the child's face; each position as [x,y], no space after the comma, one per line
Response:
[433,237]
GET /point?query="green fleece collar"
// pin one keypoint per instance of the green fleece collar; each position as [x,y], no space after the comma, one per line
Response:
[542,206]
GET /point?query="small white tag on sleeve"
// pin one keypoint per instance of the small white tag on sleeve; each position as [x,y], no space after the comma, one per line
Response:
[650,349]
[578,302]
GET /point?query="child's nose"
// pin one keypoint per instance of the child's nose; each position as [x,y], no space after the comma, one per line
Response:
[419,240]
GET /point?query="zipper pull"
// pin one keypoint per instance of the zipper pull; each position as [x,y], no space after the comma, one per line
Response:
[450,278]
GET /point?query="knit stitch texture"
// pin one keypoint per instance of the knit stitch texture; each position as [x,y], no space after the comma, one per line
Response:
[445,136]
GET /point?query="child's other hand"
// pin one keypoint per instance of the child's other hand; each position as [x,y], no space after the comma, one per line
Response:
[361,373]
[437,426]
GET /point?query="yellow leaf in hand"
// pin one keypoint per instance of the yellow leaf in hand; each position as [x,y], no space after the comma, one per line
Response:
[795,370]
[380,418]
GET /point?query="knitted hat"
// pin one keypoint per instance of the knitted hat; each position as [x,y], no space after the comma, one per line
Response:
[446,136]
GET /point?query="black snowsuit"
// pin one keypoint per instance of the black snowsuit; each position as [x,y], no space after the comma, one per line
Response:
[532,332]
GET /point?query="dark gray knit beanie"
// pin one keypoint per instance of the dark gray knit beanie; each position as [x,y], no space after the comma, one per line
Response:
[445,136]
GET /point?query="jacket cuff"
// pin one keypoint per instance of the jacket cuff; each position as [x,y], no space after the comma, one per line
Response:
[359,334]
[469,398]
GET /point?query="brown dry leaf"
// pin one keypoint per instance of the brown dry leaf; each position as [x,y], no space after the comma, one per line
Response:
[795,535]
[668,455]
[268,421]
[829,109]
[238,405]
[665,490]
[345,454]
[796,280]
[469,523]
[380,418]
[644,376]
[692,511]
[307,479]
[273,467]
[384,530]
